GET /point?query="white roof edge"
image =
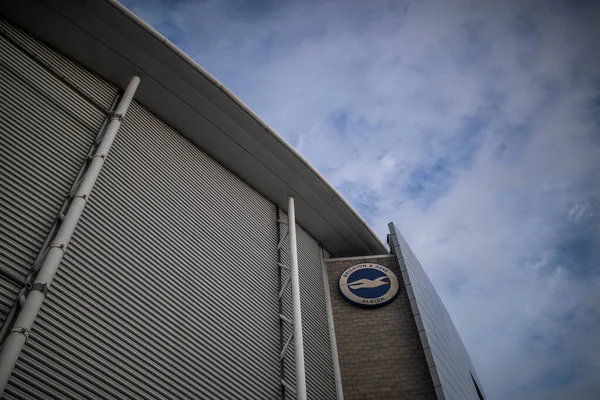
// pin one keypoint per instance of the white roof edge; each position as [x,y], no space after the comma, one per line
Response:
[369,240]
[243,106]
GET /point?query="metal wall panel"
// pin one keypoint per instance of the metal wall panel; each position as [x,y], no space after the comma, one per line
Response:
[320,380]
[449,363]
[88,84]
[169,288]
[46,130]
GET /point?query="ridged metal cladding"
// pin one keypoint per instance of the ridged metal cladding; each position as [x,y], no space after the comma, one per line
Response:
[320,381]
[169,285]
[46,130]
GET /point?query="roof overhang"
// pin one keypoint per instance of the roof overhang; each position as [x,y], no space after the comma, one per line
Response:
[114,43]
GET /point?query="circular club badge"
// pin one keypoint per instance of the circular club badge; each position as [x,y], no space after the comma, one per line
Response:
[368,285]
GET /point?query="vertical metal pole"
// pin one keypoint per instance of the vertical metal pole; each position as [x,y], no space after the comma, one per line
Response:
[298,341]
[14,343]
[280,303]
[334,350]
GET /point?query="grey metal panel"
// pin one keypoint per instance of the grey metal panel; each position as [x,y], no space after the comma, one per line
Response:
[89,83]
[320,380]
[449,362]
[169,287]
[46,130]
[106,37]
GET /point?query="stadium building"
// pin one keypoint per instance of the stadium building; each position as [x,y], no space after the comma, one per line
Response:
[158,240]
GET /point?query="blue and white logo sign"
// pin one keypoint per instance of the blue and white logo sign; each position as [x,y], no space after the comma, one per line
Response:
[368,285]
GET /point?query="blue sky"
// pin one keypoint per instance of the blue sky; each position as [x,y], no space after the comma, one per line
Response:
[473,125]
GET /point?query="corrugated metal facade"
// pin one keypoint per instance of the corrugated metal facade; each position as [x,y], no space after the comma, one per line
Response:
[169,286]
[46,130]
[320,381]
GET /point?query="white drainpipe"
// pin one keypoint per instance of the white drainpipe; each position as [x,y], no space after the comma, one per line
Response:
[14,343]
[334,350]
[298,341]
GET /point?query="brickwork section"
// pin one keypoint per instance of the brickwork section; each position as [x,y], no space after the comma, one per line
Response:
[381,356]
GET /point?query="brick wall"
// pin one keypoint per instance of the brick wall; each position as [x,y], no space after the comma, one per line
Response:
[381,356]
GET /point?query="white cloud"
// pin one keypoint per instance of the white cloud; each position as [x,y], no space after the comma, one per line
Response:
[471,125]
[580,211]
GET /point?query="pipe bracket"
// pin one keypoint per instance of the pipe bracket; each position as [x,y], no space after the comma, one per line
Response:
[40,287]
[22,331]
[21,297]
[114,115]
[58,245]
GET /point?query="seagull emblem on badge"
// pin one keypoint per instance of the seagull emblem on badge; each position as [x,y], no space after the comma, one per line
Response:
[368,283]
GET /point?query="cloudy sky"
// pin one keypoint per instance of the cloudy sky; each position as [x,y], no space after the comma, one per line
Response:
[473,125]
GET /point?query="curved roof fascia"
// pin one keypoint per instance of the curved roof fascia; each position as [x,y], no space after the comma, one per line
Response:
[111,41]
